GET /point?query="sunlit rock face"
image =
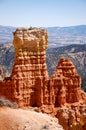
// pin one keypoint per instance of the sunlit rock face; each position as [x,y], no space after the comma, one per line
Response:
[29,69]
[68,98]
[30,40]
[72,117]
[30,86]
[65,84]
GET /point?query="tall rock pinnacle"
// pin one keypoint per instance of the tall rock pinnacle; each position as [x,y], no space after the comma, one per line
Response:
[29,70]
[66,84]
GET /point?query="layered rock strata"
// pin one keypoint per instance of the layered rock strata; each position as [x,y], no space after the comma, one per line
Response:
[72,118]
[29,84]
[26,84]
[65,85]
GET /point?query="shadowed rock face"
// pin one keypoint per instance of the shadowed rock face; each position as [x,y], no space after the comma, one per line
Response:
[30,85]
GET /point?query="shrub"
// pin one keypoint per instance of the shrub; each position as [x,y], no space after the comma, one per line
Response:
[36,109]
[8,103]
[45,127]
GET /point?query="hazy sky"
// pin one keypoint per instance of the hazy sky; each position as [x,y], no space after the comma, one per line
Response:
[42,13]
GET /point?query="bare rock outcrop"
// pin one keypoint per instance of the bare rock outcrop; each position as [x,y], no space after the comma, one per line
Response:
[72,118]
[65,85]
[29,70]
[68,98]
[30,86]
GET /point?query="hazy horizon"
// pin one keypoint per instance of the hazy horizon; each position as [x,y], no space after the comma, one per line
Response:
[42,27]
[42,13]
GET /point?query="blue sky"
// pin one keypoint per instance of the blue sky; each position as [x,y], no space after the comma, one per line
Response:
[42,13]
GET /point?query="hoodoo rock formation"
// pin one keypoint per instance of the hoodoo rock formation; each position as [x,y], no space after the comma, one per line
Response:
[65,84]
[26,84]
[30,85]
[68,97]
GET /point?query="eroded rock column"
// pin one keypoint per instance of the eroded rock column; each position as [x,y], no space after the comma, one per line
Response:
[29,70]
[65,85]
